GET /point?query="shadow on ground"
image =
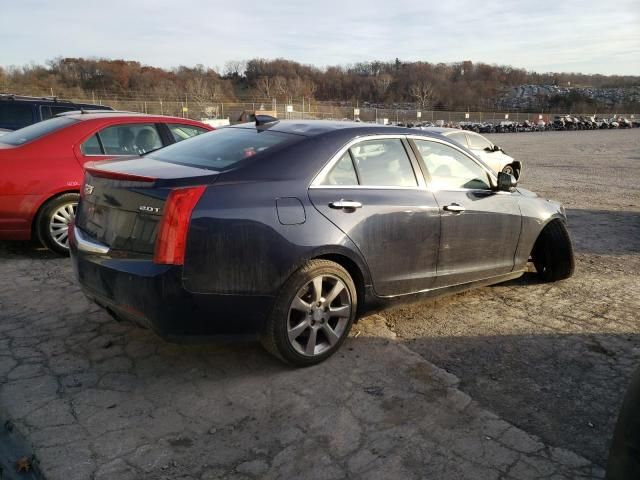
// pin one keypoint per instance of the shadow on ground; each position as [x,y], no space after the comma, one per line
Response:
[605,231]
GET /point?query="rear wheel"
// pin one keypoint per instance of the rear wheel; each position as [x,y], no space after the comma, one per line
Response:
[52,223]
[312,315]
[553,253]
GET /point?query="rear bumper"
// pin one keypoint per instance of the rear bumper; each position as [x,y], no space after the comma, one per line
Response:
[154,296]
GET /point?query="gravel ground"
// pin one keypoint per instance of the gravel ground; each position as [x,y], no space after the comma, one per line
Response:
[521,380]
[554,359]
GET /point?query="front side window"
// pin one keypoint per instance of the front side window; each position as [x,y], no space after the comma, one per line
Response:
[36,131]
[182,132]
[450,168]
[132,139]
[383,162]
[459,137]
[477,142]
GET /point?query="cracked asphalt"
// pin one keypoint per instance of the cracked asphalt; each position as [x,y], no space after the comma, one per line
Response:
[521,380]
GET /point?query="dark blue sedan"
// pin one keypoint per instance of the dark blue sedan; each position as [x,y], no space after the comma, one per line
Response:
[289,231]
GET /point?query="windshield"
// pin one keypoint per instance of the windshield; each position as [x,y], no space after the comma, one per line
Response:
[35,131]
[223,149]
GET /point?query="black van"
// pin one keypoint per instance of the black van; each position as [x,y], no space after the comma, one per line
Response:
[19,111]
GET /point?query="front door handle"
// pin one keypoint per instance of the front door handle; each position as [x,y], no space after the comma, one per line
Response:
[345,204]
[455,208]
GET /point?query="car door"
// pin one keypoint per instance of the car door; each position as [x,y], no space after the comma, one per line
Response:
[375,193]
[480,227]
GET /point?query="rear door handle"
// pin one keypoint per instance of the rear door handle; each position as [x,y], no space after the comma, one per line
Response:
[455,208]
[345,204]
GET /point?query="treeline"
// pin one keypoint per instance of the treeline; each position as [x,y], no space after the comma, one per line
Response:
[463,85]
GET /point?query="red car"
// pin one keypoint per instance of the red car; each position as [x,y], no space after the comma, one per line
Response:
[41,166]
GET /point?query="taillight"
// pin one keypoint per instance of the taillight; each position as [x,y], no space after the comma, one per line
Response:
[172,238]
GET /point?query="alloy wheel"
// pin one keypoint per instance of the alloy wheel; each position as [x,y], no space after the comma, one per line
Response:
[319,315]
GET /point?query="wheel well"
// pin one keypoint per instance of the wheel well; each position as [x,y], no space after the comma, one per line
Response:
[353,269]
[42,205]
[544,232]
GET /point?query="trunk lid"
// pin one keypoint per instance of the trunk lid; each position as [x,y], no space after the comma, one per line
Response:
[122,202]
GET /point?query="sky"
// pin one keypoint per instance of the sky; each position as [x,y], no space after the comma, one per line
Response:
[589,36]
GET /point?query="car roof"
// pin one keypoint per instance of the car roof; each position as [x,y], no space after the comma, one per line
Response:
[10,97]
[84,115]
[443,130]
[312,128]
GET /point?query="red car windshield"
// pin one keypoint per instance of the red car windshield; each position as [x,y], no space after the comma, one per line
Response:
[35,131]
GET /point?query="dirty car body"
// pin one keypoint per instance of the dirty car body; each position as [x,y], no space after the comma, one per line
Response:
[213,236]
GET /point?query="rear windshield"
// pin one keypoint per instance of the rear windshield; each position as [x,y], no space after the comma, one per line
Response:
[35,131]
[223,149]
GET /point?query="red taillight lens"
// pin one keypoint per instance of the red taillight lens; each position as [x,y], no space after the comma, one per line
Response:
[172,238]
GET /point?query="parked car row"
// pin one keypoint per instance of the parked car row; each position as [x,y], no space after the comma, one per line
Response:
[560,122]
[282,231]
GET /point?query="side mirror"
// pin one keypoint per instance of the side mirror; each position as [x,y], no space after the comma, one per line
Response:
[496,148]
[506,182]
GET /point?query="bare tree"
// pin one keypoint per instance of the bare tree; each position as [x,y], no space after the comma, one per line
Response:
[235,68]
[264,87]
[422,91]
[382,83]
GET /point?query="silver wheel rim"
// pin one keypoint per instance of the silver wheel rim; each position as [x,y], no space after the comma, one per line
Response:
[508,170]
[318,315]
[59,224]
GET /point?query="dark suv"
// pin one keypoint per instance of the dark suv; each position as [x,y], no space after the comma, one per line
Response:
[17,111]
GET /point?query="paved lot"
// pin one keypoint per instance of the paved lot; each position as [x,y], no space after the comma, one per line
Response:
[521,380]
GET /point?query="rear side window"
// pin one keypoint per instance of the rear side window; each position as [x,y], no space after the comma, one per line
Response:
[343,172]
[383,163]
[182,132]
[91,146]
[16,115]
[132,139]
[225,148]
[35,131]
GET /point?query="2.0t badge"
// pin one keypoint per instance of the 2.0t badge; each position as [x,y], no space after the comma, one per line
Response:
[145,208]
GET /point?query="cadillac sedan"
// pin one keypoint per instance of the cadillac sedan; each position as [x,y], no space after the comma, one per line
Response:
[290,231]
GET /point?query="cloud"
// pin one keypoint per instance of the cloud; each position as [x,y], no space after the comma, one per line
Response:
[588,36]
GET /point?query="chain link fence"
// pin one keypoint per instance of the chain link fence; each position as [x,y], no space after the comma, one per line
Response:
[314,110]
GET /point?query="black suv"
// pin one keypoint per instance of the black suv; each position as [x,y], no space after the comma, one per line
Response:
[17,111]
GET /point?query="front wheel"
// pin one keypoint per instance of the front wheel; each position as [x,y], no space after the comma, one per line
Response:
[52,223]
[312,314]
[553,253]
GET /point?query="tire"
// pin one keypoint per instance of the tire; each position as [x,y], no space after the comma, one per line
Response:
[52,222]
[300,331]
[509,169]
[553,253]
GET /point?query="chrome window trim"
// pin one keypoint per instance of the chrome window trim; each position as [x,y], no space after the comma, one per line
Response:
[315,183]
[422,184]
